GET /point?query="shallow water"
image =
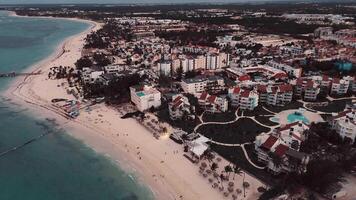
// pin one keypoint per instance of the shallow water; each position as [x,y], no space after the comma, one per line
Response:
[56,166]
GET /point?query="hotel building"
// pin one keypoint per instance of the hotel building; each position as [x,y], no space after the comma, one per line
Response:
[145,97]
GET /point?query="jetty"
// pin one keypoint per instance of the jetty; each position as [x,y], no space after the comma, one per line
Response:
[15,74]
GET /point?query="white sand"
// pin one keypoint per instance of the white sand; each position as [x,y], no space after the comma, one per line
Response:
[170,176]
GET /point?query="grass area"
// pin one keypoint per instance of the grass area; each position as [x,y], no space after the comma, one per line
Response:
[334,106]
[292,105]
[325,116]
[235,155]
[187,126]
[256,112]
[219,117]
[242,131]
[265,120]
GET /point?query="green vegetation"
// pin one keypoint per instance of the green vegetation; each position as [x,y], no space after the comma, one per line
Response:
[219,117]
[242,131]
[334,106]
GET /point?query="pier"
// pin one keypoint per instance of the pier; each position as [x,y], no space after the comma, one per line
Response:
[15,74]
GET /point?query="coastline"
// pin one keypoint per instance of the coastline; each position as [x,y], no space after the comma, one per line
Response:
[19,93]
[169,175]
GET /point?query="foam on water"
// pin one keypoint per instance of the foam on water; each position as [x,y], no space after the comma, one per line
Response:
[56,166]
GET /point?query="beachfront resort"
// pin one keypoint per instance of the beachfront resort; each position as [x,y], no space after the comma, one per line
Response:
[258,115]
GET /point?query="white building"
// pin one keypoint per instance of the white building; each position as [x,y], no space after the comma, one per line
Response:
[212,61]
[244,99]
[200,84]
[179,107]
[279,95]
[283,143]
[213,103]
[145,97]
[165,68]
[90,76]
[339,86]
[291,71]
[345,124]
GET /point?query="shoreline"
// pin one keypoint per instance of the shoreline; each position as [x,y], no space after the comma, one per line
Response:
[155,163]
[20,92]
[17,98]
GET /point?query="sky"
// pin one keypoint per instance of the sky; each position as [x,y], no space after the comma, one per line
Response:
[123,1]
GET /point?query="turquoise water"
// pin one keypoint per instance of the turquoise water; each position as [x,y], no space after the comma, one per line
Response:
[140,94]
[292,118]
[295,117]
[56,167]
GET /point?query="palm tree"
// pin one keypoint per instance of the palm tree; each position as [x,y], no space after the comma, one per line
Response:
[214,166]
[237,170]
[276,160]
[228,170]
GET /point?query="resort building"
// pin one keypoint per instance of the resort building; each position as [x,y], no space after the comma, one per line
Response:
[90,76]
[279,95]
[280,149]
[345,124]
[213,103]
[145,97]
[291,71]
[200,84]
[179,107]
[165,68]
[307,89]
[243,98]
[339,86]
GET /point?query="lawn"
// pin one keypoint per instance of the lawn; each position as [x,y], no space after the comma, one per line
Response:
[334,106]
[235,155]
[219,117]
[242,131]
[292,105]
[257,112]
[265,120]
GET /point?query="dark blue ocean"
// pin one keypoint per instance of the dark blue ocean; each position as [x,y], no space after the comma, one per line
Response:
[57,166]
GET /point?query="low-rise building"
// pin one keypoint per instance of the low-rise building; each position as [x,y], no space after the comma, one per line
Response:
[278,95]
[145,97]
[345,124]
[243,98]
[291,71]
[200,84]
[213,103]
[339,86]
[280,150]
[179,107]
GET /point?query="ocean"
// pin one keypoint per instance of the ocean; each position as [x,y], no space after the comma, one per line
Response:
[56,166]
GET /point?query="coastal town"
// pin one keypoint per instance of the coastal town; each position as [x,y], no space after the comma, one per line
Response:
[260,102]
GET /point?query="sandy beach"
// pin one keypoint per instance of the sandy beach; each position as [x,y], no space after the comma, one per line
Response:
[159,164]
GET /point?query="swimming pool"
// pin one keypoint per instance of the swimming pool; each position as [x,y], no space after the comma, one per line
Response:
[292,117]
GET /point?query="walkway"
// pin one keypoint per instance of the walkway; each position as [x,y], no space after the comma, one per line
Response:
[237,117]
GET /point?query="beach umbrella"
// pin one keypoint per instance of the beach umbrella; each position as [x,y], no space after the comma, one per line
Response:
[238,191]
[230,189]
[205,175]
[215,185]
[203,165]
[208,171]
[221,188]
[234,196]
[216,175]
[226,194]
[210,180]
[231,184]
